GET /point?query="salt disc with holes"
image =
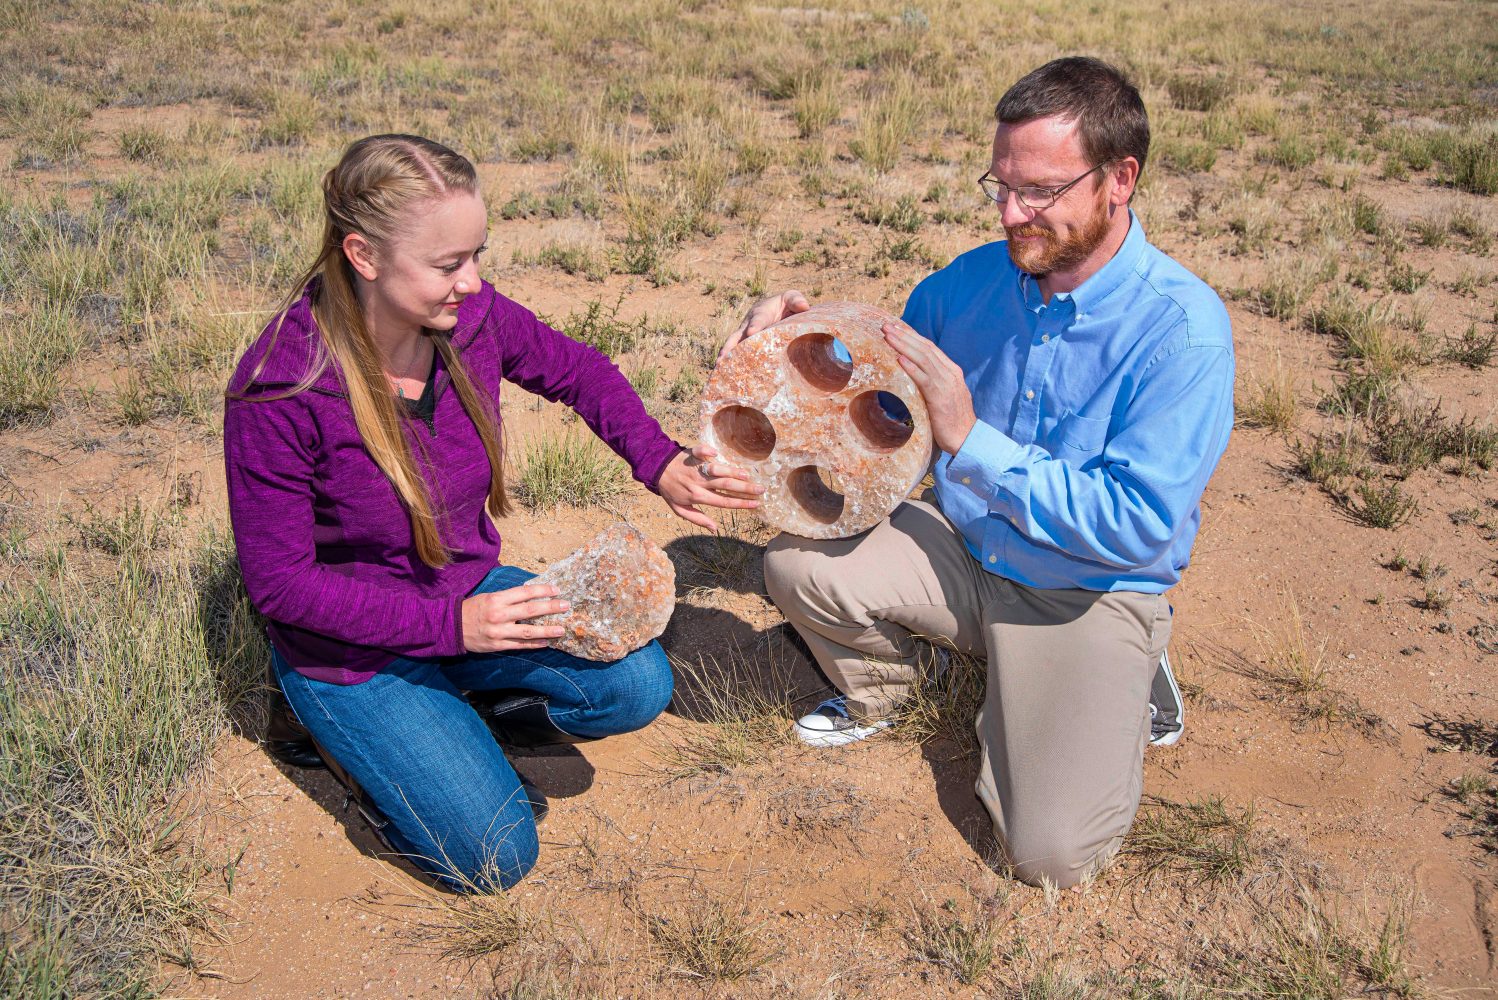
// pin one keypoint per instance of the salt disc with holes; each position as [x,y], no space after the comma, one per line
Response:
[836,443]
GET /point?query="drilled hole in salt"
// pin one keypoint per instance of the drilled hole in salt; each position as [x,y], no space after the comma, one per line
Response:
[746,431]
[822,360]
[816,492]
[883,419]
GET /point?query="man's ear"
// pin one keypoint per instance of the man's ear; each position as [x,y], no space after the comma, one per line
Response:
[1125,176]
[361,255]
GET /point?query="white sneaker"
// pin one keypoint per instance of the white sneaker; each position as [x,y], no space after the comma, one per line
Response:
[829,725]
[1167,707]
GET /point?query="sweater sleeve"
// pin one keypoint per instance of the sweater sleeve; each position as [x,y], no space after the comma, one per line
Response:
[550,364]
[269,449]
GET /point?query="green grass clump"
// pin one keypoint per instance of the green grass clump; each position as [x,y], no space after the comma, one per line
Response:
[1198,93]
[1472,164]
[888,124]
[1205,841]
[106,707]
[573,258]
[144,144]
[34,350]
[572,469]
[903,215]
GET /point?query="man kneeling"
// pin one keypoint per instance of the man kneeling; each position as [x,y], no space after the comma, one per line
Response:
[1079,385]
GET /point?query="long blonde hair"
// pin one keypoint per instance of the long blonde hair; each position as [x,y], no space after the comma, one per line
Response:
[371,192]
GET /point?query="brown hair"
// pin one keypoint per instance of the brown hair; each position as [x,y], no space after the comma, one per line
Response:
[371,191]
[1110,116]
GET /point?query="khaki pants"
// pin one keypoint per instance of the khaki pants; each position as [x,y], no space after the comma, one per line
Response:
[1066,715]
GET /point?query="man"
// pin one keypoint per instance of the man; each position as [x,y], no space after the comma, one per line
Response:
[1079,385]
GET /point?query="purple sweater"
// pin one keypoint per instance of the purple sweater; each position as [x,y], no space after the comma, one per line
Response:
[325,545]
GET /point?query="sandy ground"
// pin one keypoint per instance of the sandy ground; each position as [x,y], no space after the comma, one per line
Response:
[829,854]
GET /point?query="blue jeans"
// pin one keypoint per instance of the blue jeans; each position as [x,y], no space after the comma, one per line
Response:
[428,762]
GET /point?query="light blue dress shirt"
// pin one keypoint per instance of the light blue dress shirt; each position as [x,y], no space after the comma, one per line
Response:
[1100,415]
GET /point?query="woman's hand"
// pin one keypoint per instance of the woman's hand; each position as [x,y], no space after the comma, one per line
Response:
[492,622]
[768,310]
[693,478]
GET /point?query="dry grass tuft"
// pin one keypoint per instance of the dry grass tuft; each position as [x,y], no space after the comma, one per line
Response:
[710,940]
[1205,841]
[741,709]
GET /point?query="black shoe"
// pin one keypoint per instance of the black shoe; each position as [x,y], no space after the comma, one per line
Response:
[285,738]
[540,808]
[520,720]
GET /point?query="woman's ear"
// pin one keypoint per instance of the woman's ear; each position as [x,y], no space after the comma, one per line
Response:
[361,255]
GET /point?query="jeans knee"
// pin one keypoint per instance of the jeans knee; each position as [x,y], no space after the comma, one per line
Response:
[635,690]
[492,863]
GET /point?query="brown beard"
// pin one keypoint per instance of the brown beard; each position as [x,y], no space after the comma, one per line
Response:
[1058,254]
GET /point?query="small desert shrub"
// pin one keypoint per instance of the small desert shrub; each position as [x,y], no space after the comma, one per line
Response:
[1385,506]
[599,326]
[903,215]
[1328,459]
[1473,349]
[570,468]
[1406,279]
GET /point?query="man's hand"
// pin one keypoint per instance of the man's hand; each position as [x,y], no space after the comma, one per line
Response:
[768,310]
[948,403]
[492,623]
[693,478]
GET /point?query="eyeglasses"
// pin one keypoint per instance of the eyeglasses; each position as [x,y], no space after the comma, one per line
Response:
[1031,196]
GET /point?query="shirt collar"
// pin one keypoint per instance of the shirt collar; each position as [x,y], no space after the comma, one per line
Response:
[1102,284]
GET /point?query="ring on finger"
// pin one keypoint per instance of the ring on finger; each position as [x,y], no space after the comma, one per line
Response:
[704,471]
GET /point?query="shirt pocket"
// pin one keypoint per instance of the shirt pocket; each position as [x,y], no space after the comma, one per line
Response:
[1082,434]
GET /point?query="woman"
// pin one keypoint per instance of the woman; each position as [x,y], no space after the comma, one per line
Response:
[362,448]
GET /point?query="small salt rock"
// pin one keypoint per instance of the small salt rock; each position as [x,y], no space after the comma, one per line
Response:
[622,588]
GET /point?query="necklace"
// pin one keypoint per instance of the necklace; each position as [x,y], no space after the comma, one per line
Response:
[395,380]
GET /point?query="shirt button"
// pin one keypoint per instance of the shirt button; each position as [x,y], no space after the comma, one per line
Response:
[993,559]
[967,480]
[1045,338]
[1029,393]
